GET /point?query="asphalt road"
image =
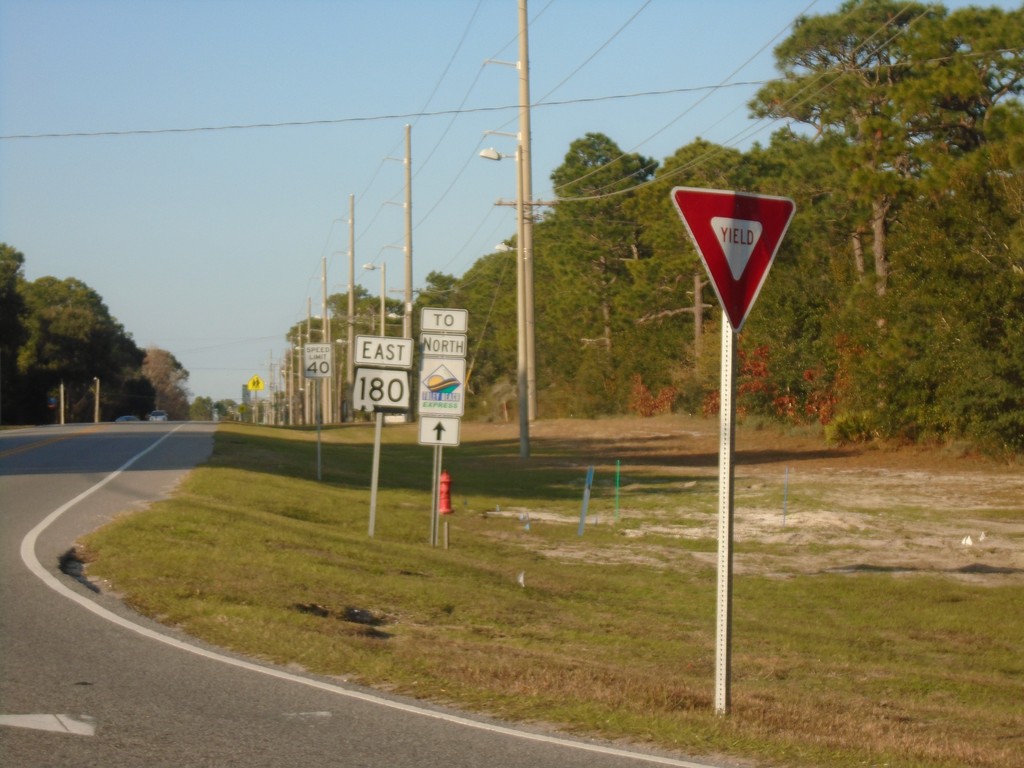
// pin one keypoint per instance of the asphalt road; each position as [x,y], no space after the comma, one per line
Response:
[84,681]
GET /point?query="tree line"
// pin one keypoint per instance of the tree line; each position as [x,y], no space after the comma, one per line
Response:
[58,334]
[895,308]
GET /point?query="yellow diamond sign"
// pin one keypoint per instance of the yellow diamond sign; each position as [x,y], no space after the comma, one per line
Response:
[255,384]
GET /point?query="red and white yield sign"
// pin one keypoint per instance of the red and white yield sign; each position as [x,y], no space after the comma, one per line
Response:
[737,235]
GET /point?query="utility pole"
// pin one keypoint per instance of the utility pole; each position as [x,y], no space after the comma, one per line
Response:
[307,384]
[96,405]
[698,314]
[326,398]
[350,373]
[286,374]
[523,365]
[271,417]
[407,320]
[522,368]
[527,198]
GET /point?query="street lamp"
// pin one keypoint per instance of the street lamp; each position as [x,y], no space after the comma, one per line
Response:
[522,365]
[383,284]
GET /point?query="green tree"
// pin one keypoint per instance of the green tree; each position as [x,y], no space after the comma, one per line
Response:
[841,73]
[169,380]
[949,362]
[201,409]
[12,327]
[488,292]
[73,339]
[584,251]
[902,85]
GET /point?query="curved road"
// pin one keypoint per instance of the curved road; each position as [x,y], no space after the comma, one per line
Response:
[85,681]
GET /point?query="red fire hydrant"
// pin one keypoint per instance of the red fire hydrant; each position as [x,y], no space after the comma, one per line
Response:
[444,493]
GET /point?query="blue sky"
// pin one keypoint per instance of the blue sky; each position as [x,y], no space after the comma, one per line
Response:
[207,240]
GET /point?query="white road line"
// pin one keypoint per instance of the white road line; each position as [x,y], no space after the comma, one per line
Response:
[28,555]
[82,725]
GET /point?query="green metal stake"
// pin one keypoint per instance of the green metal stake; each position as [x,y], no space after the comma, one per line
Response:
[618,464]
[586,501]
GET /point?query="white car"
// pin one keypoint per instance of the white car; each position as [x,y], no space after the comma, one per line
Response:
[157,416]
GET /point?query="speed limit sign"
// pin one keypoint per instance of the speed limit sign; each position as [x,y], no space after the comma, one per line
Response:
[380,388]
[317,361]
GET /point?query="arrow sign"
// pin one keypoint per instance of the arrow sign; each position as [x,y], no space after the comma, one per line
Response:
[737,235]
[439,430]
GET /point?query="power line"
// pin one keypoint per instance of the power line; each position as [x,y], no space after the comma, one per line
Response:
[368,118]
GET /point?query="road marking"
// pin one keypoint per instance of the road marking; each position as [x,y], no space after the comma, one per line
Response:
[40,443]
[28,556]
[83,725]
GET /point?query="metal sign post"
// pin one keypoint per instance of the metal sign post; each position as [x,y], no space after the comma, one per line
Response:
[319,421]
[376,471]
[435,496]
[726,454]
[318,363]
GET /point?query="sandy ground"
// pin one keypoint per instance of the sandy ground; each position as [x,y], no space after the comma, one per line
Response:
[800,507]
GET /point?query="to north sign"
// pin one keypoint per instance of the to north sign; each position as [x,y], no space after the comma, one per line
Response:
[443,344]
[737,236]
[444,320]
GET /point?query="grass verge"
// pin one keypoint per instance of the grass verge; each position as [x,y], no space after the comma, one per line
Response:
[609,634]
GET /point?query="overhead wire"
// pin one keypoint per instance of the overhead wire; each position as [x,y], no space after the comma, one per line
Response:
[808,92]
[473,155]
[367,118]
[597,51]
[814,88]
[699,101]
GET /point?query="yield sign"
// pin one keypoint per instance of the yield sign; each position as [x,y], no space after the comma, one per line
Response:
[737,236]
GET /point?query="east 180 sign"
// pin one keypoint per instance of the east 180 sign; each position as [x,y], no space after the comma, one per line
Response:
[383,351]
[376,389]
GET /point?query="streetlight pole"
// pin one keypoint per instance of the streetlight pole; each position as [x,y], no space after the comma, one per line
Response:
[526,200]
[407,320]
[523,67]
[522,363]
[326,391]
[350,371]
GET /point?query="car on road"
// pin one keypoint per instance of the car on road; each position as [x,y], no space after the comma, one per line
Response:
[128,418]
[158,416]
